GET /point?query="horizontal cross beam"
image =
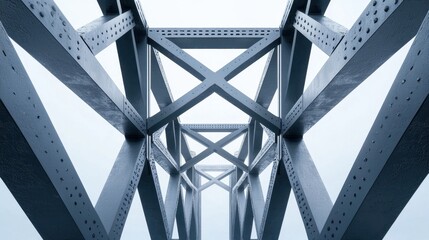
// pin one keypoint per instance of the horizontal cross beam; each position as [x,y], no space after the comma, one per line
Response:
[213,38]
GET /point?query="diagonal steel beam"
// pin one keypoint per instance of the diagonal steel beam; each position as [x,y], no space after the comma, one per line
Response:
[275,203]
[294,53]
[181,105]
[310,192]
[353,61]
[181,218]
[102,32]
[163,157]
[61,50]
[213,81]
[159,84]
[34,164]
[153,204]
[247,105]
[172,200]
[253,53]
[214,147]
[215,180]
[393,160]
[320,30]
[117,195]
[257,200]
[268,84]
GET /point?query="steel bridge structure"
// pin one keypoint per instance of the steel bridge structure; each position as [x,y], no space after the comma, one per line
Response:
[392,163]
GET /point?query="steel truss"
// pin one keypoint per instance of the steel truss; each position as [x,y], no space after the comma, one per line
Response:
[388,170]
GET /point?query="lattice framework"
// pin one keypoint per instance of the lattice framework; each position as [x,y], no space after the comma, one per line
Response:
[389,168]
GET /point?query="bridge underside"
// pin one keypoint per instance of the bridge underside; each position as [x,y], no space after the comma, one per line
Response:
[388,169]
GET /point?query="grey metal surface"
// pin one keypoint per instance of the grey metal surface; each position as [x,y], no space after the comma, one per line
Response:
[102,32]
[62,51]
[214,38]
[309,190]
[393,160]
[114,202]
[40,175]
[360,53]
[320,30]
[34,164]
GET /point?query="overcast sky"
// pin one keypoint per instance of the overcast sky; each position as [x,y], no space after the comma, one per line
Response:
[333,143]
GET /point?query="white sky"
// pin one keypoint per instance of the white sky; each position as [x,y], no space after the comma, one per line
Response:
[93,144]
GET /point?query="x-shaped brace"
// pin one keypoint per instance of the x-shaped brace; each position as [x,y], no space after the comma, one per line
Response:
[215,180]
[214,147]
[214,81]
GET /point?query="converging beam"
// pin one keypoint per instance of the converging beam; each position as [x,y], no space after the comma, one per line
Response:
[393,160]
[214,147]
[118,192]
[61,50]
[34,164]
[353,60]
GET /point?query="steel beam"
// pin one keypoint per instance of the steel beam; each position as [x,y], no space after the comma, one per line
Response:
[268,84]
[61,50]
[253,53]
[102,32]
[115,200]
[353,61]
[153,204]
[163,157]
[214,82]
[294,53]
[34,164]
[310,192]
[393,160]
[320,30]
[214,147]
[247,105]
[215,180]
[172,200]
[214,38]
[214,127]
[248,218]
[257,200]
[159,84]
[268,154]
[275,203]
[181,218]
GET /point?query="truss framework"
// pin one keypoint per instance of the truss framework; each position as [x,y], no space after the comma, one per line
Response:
[388,170]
